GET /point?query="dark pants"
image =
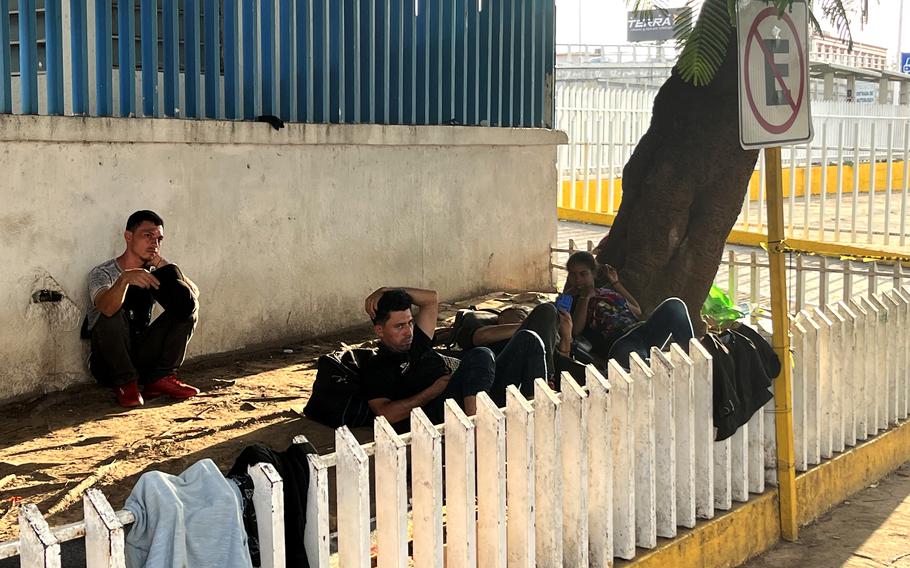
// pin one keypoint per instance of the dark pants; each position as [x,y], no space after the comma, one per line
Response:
[544,321]
[124,351]
[669,321]
[475,374]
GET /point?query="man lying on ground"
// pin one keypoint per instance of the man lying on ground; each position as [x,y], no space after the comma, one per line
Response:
[128,349]
[407,373]
[552,325]
[611,319]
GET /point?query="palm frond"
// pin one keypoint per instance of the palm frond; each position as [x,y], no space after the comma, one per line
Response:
[703,45]
[838,13]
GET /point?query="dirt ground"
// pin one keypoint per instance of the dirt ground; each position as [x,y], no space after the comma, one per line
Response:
[54,447]
[870,529]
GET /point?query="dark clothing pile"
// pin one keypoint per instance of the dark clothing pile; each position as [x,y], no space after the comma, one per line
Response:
[291,465]
[744,367]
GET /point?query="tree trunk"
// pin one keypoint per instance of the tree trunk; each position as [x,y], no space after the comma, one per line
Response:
[683,188]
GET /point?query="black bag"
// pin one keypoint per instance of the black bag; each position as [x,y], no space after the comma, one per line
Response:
[469,320]
[336,400]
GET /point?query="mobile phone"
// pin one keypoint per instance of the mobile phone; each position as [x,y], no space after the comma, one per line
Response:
[564,302]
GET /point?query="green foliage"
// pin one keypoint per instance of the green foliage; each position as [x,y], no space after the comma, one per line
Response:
[703,30]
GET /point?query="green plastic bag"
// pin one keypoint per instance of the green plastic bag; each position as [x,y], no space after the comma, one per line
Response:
[719,308]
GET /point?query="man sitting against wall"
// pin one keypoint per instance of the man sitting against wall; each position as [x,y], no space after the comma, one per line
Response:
[407,373]
[128,349]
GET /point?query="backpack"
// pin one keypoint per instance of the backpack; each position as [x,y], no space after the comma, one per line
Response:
[336,400]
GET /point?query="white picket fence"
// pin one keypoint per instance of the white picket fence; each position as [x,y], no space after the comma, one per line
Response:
[102,529]
[589,474]
[605,124]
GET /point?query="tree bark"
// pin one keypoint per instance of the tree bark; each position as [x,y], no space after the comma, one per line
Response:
[683,189]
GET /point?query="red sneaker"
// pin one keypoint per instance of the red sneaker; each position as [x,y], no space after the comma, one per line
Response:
[170,386]
[128,395]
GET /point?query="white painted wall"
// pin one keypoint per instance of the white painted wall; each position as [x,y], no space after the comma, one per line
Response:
[284,231]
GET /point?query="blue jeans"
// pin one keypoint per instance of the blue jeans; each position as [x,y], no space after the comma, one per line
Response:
[669,321]
[475,373]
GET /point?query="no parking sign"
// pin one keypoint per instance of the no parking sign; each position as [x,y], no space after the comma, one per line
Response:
[773,74]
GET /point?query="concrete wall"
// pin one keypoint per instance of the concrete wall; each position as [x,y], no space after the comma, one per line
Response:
[284,231]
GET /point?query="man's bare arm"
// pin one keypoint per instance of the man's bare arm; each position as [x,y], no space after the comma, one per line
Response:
[494,333]
[398,410]
[426,300]
[110,300]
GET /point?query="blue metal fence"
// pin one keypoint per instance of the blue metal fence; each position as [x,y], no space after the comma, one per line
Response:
[466,62]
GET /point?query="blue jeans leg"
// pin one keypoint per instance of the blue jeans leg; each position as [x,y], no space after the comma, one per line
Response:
[669,321]
[521,362]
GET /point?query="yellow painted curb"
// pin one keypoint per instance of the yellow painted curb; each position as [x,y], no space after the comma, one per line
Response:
[733,537]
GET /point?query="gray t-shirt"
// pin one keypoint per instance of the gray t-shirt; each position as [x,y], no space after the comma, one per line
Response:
[100,278]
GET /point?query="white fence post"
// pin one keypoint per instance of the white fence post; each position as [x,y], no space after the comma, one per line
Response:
[813,388]
[665,444]
[838,377]
[391,459]
[825,400]
[892,334]
[800,352]
[38,547]
[520,480]
[104,544]
[268,501]
[883,358]
[460,488]
[849,373]
[643,419]
[901,346]
[575,471]
[860,377]
[548,482]
[426,490]
[756,443]
[704,430]
[873,364]
[684,419]
[621,394]
[491,483]
[600,470]
[353,483]
[316,533]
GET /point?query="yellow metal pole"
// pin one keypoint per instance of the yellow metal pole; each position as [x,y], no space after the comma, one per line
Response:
[780,317]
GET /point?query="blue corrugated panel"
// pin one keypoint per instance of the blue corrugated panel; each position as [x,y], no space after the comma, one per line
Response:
[548,99]
[363,44]
[523,62]
[28,56]
[250,59]
[447,68]
[231,60]
[212,58]
[370,54]
[191,66]
[395,39]
[375,58]
[384,56]
[335,31]
[409,48]
[126,48]
[460,67]
[509,92]
[422,45]
[53,33]
[171,58]
[350,63]
[303,59]
[6,91]
[434,61]
[536,27]
[267,38]
[286,57]
[484,62]
[104,95]
[473,63]
[497,43]
[148,17]
[321,78]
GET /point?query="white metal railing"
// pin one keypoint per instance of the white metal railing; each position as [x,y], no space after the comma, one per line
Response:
[575,54]
[864,146]
[103,529]
[811,280]
[589,474]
